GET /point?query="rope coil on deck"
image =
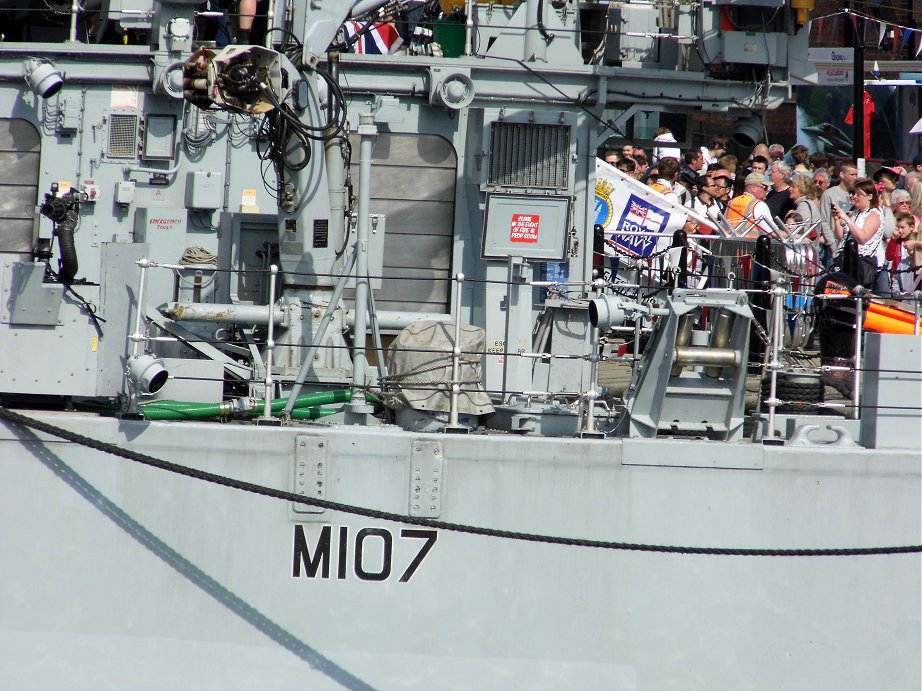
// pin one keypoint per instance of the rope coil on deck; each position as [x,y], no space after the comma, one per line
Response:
[32,423]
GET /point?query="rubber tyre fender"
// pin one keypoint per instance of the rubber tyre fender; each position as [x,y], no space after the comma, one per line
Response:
[796,389]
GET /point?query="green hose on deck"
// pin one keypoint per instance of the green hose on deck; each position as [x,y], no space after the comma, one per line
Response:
[183,410]
[313,413]
[187,410]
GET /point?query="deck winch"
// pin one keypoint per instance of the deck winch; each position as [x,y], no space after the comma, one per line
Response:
[691,378]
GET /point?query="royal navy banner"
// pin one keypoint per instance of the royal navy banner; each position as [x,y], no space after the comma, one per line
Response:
[637,220]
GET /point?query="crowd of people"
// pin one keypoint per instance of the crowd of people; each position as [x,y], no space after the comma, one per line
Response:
[795,194]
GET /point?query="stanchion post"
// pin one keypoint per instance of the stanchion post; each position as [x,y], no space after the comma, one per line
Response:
[456,357]
[270,344]
[859,324]
[774,363]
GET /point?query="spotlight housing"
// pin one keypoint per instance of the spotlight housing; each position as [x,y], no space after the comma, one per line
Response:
[747,132]
[43,78]
[148,373]
[606,311]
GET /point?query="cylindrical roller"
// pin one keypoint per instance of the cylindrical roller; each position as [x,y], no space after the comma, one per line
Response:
[720,337]
[714,357]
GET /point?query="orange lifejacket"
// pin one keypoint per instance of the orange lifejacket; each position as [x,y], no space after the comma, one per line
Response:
[659,187]
[739,211]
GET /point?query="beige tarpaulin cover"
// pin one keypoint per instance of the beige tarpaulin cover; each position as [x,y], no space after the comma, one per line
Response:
[419,368]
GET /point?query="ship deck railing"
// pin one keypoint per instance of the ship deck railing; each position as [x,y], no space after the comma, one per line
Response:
[792,299]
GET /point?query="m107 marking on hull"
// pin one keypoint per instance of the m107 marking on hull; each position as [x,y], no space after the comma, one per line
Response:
[367,544]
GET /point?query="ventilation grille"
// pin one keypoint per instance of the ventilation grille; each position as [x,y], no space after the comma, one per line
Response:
[123,136]
[534,156]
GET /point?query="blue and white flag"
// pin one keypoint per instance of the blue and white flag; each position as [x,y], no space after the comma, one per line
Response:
[635,218]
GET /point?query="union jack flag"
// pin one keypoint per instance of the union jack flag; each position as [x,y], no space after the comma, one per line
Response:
[644,216]
[380,39]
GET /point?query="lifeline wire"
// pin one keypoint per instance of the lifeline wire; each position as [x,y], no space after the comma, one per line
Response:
[32,423]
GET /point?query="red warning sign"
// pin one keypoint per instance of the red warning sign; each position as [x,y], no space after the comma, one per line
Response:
[524,228]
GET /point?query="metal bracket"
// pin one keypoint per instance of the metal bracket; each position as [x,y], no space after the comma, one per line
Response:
[426,479]
[310,472]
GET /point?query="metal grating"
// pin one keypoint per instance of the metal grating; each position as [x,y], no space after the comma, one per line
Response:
[528,155]
[123,136]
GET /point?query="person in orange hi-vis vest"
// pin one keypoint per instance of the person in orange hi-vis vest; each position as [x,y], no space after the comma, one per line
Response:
[749,210]
[668,171]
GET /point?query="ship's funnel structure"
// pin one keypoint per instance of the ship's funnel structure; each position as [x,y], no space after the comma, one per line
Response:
[692,380]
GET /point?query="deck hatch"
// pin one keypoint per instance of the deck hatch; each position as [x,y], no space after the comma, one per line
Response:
[529,155]
[123,136]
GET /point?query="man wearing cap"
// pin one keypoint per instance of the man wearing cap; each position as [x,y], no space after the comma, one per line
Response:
[748,212]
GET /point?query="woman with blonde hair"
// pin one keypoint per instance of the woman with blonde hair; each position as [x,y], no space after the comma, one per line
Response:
[806,207]
[806,201]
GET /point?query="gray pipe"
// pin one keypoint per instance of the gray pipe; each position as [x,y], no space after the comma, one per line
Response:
[368,132]
[397,320]
[222,314]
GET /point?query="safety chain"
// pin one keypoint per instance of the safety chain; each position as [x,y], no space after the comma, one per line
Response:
[194,473]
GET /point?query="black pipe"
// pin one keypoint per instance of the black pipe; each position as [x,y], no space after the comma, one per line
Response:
[547,36]
[851,261]
[67,263]
[761,302]
[62,211]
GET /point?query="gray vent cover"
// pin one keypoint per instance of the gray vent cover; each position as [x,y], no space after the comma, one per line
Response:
[123,136]
[529,155]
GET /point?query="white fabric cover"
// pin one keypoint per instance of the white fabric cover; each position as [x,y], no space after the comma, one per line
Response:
[419,368]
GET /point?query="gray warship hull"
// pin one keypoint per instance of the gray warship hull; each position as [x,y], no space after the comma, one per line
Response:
[119,575]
